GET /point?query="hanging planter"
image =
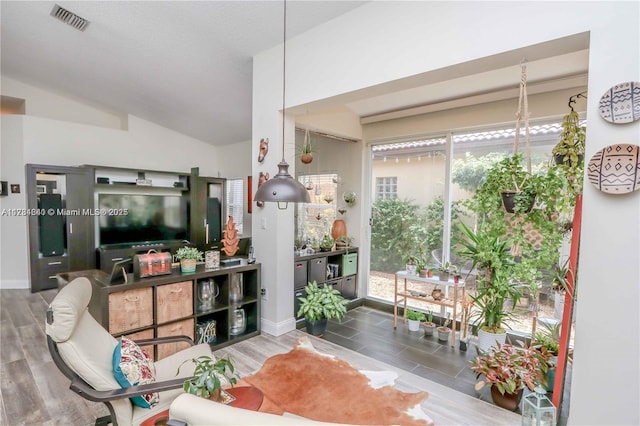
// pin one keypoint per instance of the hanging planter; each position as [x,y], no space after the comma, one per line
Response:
[307,154]
[349,198]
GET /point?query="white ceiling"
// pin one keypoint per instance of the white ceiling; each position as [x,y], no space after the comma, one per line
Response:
[188,65]
[182,64]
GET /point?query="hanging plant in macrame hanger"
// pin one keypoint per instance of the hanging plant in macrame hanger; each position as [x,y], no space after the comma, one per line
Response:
[307,154]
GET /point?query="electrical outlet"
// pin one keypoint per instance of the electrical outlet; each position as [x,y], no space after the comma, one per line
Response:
[263,292]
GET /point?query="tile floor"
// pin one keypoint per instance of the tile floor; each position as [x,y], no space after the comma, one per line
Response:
[370,332]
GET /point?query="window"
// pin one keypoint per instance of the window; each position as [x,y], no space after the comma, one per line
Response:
[235,202]
[315,218]
[386,187]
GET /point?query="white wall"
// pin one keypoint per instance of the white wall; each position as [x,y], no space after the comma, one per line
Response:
[44,103]
[384,41]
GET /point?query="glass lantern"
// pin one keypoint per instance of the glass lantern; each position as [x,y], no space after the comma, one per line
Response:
[537,409]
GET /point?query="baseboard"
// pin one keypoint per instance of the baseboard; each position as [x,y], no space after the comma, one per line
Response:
[14,285]
[279,328]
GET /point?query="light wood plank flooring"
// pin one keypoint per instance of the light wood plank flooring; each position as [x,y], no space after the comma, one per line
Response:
[34,392]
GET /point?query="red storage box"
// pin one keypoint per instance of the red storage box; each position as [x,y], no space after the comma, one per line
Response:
[152,263]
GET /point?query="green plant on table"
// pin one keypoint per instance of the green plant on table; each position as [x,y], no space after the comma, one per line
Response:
[511,368]
[189,253]
[548,336]
[415,315]
[322,302]
[209,375]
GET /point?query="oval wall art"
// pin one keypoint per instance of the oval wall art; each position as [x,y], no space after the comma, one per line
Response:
[615,169]
[621,103]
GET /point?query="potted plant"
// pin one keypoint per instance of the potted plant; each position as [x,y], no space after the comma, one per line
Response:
[307,152]
[414,318]
[429,325]
[411,264]
[548,337]
[444,330]
[327,243]
[508,369]
[321,304]
[188,257]
[209,377]
[490,255]
[343,241]
[569,151]
[444,271]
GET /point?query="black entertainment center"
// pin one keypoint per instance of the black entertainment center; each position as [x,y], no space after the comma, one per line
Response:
[107,214]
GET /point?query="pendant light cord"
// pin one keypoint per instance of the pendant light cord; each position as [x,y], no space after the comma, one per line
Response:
[284,72]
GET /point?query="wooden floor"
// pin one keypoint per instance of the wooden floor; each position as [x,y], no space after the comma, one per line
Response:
[34,392]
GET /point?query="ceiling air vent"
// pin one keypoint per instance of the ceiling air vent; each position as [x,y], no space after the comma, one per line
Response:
[68,17]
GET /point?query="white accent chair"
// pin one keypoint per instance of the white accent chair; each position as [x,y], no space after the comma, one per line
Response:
[82,349]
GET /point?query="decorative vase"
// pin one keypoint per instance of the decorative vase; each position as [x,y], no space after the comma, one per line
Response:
[509,401]
[338,229]
[428,328]
[316,328]
[188,265]
[487,340]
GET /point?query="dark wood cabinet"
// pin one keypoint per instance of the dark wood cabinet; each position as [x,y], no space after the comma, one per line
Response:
[61,233]
[207,211]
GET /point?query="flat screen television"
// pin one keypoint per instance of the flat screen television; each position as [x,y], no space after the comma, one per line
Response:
[134,219]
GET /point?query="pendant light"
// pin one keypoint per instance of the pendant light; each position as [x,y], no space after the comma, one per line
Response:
[283,188]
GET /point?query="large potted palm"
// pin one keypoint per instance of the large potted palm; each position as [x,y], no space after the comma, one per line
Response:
[490,255]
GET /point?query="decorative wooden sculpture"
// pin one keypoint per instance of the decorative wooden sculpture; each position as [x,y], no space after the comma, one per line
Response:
[264,149]
[231,239]
[262,178]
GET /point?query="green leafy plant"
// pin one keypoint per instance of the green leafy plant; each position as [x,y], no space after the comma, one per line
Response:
[429,317]
[207,375]
[415,315]
[495,266]
[569,151]
[511,368]
[189,253]
[322,302]
[327,242]
[548,336]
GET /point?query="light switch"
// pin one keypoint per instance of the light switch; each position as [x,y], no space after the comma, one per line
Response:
[263,225]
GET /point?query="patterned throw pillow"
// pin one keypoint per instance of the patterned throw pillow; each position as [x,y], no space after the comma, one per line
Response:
[132,366]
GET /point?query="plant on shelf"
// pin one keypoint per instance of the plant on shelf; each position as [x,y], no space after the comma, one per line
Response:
[445,270]
[569,151]
[508,369]
[411,264]
[343,241]
[560,278]
[188,257]
[548,337]
[414,318]
[327,243]
[320,304]
[209,376]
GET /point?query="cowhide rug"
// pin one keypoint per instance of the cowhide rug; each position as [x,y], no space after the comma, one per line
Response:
[322,387]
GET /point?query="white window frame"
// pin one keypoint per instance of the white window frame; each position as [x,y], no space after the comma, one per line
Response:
[235,202]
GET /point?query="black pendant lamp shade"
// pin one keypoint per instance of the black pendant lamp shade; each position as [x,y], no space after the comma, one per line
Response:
[283,188]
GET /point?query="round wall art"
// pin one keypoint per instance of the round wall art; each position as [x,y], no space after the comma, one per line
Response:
[615,169]
[621,103]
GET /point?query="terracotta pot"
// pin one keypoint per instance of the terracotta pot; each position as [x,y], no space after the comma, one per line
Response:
[306,158]
[509,401]
[338,229]
[423,273]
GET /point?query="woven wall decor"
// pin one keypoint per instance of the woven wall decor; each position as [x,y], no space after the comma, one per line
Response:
[621,103]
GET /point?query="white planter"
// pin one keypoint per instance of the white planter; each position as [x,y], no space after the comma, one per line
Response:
[414,325]
[488,340]
[558,306]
